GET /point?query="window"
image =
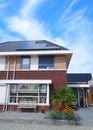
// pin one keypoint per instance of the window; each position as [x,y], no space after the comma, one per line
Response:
[28,92]
[13,93]
[43,93]
[46,62]
[25,62]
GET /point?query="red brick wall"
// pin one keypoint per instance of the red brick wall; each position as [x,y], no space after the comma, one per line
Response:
[58,78]
[3,74]
[12,107]
[1,107]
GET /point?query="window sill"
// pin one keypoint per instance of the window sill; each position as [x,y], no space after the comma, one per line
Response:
[38,104]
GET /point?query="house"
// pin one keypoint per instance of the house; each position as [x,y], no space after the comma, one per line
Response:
[30,71]
[79,83]
[90,82]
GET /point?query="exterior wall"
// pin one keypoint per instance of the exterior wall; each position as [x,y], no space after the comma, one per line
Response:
[3,75]
[18,63]
[12,63]
[12,107]
[60,62]
[2,62]
[58,77]
[39,108]
[2,94]
[91,94]
[8,62]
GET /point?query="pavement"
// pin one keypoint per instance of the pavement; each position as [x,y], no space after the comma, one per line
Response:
[85,118]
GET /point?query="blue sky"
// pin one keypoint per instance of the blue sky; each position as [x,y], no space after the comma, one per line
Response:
[65,22]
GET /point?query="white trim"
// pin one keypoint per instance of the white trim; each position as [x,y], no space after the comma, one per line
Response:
[34,70]
[78,85]
[44,52]
[47,94]
[38,104]
[25,81]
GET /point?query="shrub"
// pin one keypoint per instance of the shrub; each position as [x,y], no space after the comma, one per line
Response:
[69,116]
[56,115]
[53,114]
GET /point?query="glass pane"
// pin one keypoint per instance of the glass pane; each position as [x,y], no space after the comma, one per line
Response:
[43,90]
[27,99]
[25,63]
[42,99]
[28,90]
[13,99]
[46,62]
[13,90]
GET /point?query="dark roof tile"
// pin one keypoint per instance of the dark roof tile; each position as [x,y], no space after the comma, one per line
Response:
[78,78]
[29,45]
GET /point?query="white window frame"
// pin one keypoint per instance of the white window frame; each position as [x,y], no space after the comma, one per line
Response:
[38,96]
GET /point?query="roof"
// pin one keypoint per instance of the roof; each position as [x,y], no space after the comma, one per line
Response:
[29,45]
[78,78]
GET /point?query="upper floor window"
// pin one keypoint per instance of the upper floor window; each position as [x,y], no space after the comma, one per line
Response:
[25,62]
[46,62]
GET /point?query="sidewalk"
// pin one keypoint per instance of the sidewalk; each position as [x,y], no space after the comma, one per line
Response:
[31,117]
[86,117]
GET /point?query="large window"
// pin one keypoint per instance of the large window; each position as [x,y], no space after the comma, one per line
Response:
[28,92]
[25,62]
[46,62]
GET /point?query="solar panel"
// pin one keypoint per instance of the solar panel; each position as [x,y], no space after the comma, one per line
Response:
[33,45]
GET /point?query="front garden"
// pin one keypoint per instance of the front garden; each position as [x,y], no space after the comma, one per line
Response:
[61,101]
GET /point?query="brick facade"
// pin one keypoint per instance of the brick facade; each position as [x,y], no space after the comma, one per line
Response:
[58,78]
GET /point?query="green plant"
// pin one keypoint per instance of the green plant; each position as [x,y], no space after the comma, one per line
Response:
[69,116]
[55,115]
[64,96]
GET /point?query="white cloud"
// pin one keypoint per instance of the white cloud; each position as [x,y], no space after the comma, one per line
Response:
[60,41]
[3,5]
[6,37]
[78,34]
[82,47]
[26,25]
[29,7]
[29,29]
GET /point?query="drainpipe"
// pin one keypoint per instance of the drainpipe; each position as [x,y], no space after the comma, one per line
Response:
[7,76]
[78,98]
[8,68]
[84,96]
[6,97]
[14,67]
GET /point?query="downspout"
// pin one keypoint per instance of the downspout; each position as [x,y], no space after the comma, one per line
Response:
[7,76]
[84,96]
[14,68]
[78,98]
[8,68]
[6,97]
